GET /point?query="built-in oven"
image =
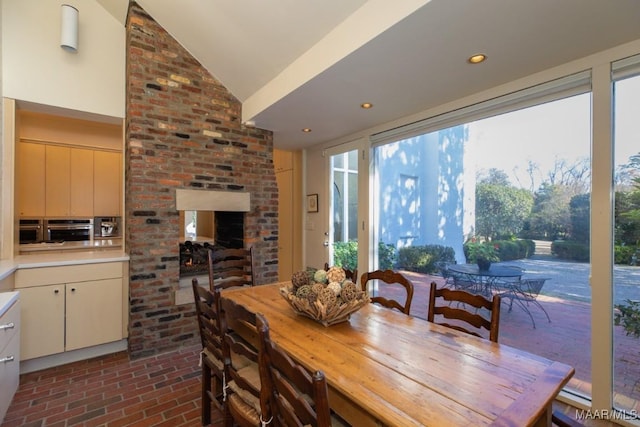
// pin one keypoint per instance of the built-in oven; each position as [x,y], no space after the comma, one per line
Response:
[31,230]
[68,230]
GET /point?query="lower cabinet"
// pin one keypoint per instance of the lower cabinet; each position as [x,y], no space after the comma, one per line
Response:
[9,355]
[73,314]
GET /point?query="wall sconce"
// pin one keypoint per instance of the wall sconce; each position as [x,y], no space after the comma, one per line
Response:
[69,28]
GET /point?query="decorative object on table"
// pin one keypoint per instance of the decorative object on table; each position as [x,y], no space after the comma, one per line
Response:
[312,203]
[482,253]
[325,296]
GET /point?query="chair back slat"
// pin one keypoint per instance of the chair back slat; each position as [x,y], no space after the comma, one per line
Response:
[230,267]
[390,279]
[462,299]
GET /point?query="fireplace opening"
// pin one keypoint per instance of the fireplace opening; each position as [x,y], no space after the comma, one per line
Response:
[228,234]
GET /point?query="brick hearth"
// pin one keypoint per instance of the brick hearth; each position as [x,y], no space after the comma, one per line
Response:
[183,131]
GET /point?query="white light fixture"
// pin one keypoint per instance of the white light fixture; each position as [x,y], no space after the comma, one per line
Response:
[69,28]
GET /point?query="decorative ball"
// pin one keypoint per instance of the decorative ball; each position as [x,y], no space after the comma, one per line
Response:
[336,274]
[317,287]
[327,297]
[320,276]
[349,291]
[299,278]
[303,291]
[335,287]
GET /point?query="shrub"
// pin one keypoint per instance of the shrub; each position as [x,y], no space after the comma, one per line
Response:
[345,254]
[424,259]
[628,316]
[623,254]
[570,250]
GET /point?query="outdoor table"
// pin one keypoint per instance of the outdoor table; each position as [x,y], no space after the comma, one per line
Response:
[386,368]
[487,280]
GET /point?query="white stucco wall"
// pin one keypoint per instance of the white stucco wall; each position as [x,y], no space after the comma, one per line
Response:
[36,69]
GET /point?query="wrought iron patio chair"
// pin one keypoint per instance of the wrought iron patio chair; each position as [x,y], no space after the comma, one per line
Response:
[524,292]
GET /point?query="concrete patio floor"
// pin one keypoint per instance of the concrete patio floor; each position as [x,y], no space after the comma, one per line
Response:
[567,338]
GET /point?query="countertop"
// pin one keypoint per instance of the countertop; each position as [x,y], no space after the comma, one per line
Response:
[8,266]
[114,243]
[6,300]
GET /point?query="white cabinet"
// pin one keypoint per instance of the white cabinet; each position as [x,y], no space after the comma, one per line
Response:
[70,307]
[9,349]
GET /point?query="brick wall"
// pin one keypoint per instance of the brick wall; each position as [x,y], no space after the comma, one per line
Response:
[183,130]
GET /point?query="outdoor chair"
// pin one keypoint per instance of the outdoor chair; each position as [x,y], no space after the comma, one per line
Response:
[461,315]
[390,280]
[230,267]
[446,274]
[523,292]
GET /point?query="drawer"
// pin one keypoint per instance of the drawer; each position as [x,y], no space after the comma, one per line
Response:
[28,277]
[9,325]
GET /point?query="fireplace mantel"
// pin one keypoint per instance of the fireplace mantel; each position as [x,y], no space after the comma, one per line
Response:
[221,201]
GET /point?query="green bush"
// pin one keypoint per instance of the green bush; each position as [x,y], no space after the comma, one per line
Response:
[570,250]
[510,249]
[345,254]
[623,254]
[628,316]
[424,259]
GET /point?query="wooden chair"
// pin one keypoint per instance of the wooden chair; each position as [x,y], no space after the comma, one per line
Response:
[462,315]
[211,358]
[230,267]
[389,277]
[297,397]
[244,406]
[350,274]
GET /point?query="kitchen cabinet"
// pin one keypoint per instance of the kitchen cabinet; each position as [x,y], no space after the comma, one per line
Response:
[67,308]
[9,349]
[30,163]
[107,184]
[68,181]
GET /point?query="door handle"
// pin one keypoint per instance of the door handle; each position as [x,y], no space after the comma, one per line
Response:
[326,243]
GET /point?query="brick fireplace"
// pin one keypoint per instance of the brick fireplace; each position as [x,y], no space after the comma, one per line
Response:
[183,133]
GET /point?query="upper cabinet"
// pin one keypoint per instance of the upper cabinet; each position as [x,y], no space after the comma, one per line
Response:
[30,197]
[68,167]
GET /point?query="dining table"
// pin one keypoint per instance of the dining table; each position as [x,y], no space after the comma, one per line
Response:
[385,368]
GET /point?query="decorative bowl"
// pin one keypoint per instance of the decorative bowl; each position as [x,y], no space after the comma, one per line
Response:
[324,296]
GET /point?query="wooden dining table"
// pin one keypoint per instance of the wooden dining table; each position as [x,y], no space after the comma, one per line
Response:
[386,368]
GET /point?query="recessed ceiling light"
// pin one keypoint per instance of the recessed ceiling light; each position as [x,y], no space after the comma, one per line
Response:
[477,58]
[307,130]
[366,105]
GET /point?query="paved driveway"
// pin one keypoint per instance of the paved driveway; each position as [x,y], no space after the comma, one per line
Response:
[570,280]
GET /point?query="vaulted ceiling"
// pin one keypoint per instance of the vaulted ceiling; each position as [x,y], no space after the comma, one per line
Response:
[310,64]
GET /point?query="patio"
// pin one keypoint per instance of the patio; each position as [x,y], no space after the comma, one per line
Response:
[567,338]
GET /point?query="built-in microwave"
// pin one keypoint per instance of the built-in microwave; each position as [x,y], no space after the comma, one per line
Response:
[31,230]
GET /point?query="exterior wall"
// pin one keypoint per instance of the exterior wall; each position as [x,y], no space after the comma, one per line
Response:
[183,131]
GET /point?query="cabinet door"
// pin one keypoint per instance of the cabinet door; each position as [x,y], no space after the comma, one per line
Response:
[285,224]
[30,179]
[107,184]
[81,173]
[94,313]
[58,180]
[42,321]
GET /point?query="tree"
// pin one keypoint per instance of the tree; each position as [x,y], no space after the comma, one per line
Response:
[550,217]
[501,210]
[580,211]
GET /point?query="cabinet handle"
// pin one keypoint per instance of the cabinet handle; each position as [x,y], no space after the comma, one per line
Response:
[56,291]
[7,326]
[73,289]
[7,359]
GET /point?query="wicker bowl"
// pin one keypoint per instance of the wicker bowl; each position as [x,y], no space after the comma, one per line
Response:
[347,299]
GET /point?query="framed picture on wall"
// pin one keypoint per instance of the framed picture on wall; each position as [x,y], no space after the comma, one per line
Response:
[312,203]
